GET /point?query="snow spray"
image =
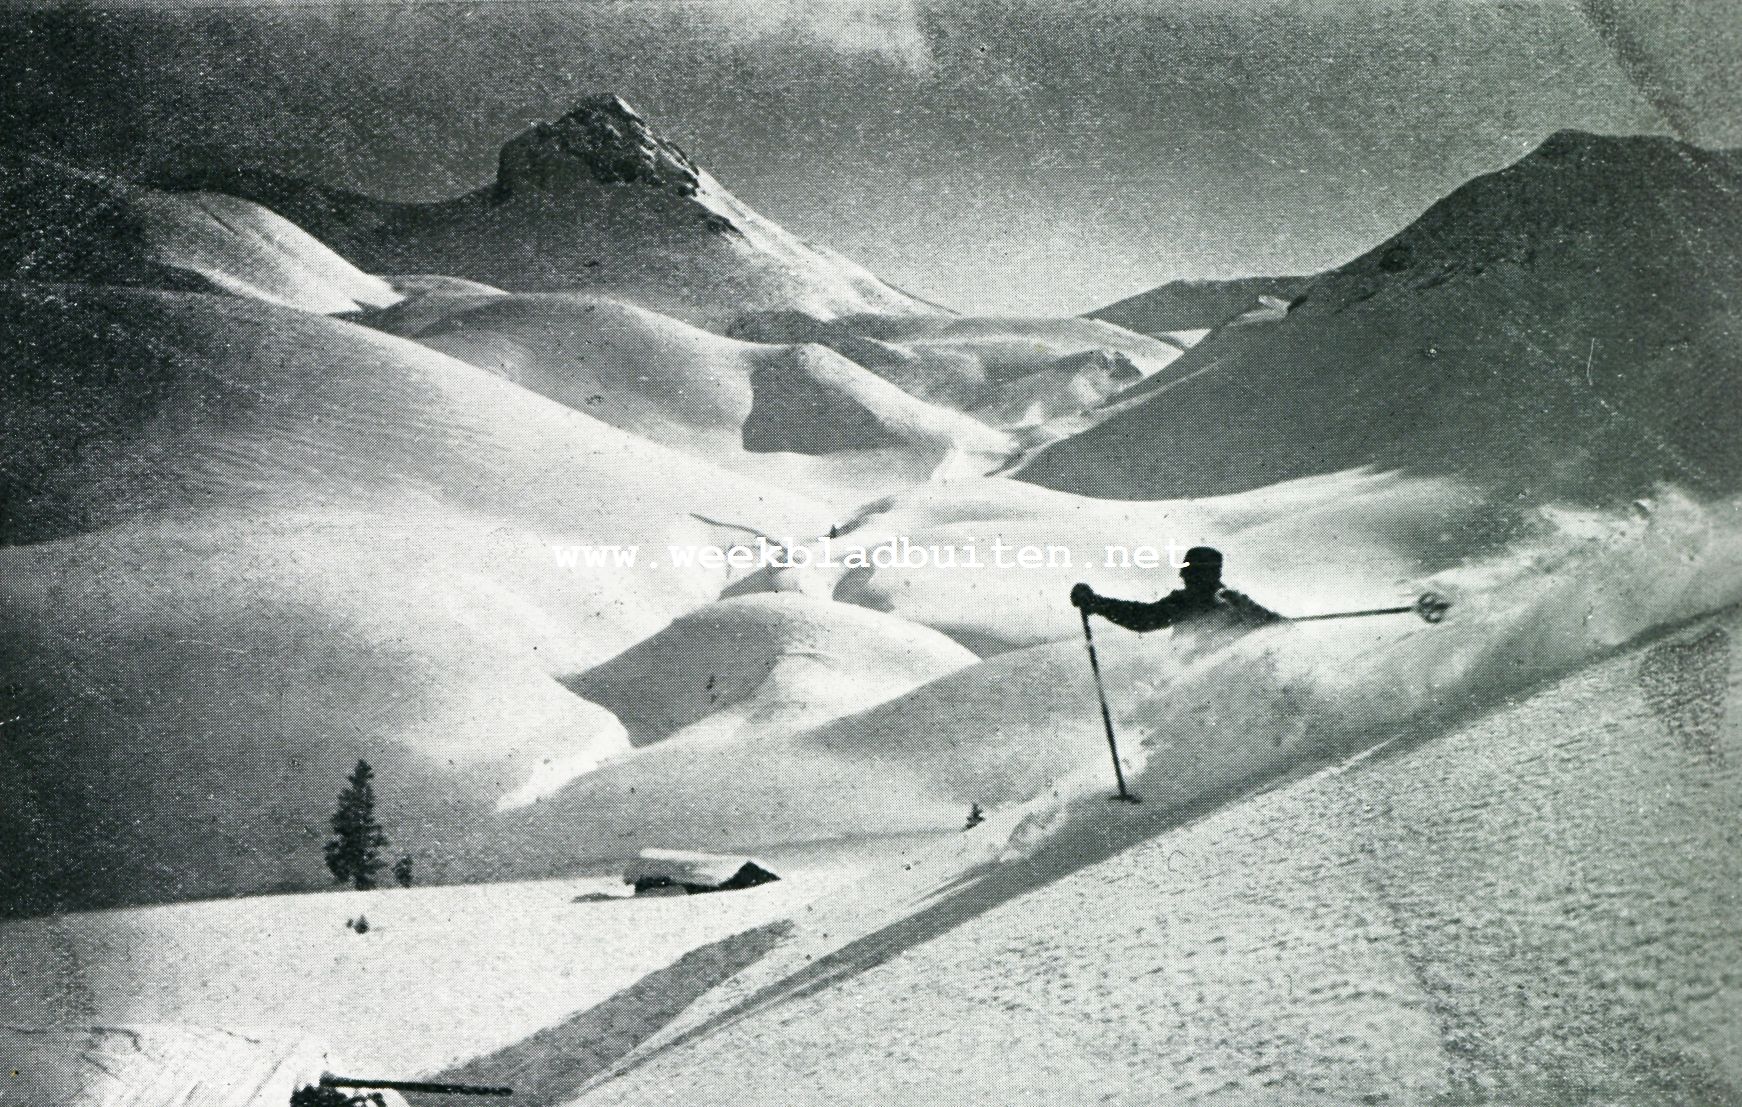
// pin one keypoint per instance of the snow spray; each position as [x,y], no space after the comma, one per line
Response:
[1209,715]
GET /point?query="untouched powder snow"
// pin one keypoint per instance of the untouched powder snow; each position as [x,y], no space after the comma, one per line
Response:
[1387,532]
[163,1065]
[1522,336]
[1020,731]
[1006,371]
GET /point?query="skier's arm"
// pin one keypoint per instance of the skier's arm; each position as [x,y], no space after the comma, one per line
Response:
[1130,614]
[1249,610]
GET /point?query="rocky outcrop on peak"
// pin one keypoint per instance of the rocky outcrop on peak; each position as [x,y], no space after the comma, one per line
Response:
[602,141]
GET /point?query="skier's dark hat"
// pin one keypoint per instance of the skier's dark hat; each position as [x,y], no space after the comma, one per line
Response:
[1205,556]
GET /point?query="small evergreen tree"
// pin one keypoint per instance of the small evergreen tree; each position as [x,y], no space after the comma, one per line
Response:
[354,850]
[402,871]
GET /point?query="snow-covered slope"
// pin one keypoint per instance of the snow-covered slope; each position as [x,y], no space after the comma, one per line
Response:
[1012,370]
[597,201]
[1537,907]
[772,663]
[60,223]
[1022,726]
[797,416]
[811,400]
[1566,327]
[248,545]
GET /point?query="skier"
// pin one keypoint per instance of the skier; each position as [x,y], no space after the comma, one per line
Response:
[1202,599]
[1202,602]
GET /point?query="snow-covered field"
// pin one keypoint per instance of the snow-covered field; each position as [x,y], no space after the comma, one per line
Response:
[1489,860]
[441,974]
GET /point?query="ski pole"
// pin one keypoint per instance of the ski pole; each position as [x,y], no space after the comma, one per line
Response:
[1106,716]
[1431,607]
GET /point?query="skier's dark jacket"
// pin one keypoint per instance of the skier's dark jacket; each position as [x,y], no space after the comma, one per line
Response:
[1223,607]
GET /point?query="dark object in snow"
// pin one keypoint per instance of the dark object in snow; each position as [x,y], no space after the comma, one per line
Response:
[976,816]
[402,871]
[360,924]
[321,1095]
[749,875]
[658,885]
[330,1082]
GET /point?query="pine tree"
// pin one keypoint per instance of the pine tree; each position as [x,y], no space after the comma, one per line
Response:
[402,871]
[354,850]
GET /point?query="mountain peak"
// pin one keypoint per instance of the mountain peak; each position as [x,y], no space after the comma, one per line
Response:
[601,141]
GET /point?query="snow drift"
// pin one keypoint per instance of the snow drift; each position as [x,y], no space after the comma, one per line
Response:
[814,401]
[1200,717]
[58,223]
[442,975]
[1011,371]
[765,664]
[1390,531]
[798,416]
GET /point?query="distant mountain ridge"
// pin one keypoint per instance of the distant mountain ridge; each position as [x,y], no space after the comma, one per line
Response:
[1567,327]
[598,201]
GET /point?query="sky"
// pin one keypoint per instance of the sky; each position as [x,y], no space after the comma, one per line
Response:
[997,158]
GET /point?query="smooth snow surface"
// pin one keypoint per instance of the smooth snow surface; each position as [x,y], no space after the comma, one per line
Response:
[440,975]
[1491,860]
[1021,728]
[1008,371]
[771,663]
[797,416]
[595,201]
